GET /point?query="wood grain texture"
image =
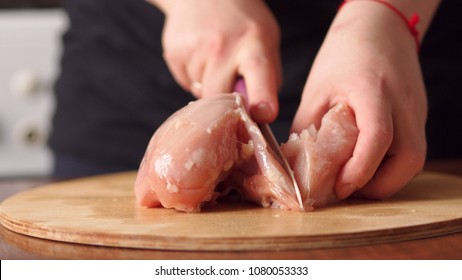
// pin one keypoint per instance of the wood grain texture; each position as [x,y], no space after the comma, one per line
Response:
[101,211]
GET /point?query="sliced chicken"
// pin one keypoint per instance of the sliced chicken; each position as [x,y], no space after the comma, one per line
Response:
[200,146]
[260,176]
[317,156]
[212,145]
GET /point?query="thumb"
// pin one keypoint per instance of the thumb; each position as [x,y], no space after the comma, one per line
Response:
[310,111]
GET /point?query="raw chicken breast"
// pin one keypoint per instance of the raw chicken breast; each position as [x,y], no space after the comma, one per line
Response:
[200,146]
[317,156]
[212,146]
[189,155]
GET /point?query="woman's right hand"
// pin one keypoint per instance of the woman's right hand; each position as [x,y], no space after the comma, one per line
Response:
[208,44]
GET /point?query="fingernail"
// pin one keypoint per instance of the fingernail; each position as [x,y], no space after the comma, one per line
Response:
[262,113]
[346,190]
[196,89]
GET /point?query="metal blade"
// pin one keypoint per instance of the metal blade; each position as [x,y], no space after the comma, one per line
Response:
[240,87]
[273,144]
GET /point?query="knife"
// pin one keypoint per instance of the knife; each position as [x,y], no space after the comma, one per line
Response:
[273,144]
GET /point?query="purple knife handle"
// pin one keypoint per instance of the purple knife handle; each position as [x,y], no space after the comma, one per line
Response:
[240,88]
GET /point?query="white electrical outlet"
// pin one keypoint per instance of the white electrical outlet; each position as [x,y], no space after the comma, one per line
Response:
[29,62]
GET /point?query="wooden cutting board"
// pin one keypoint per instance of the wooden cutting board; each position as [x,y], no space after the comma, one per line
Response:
[101,210]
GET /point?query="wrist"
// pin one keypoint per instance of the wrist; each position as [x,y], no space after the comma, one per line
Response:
[410,22]
[372,22]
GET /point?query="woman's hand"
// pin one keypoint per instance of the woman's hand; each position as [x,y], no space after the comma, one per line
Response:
[209,43]
[369,60]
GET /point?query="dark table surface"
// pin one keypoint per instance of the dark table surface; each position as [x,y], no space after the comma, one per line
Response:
[17,246]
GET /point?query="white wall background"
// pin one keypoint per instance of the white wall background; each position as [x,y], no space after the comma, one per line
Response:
[29,60]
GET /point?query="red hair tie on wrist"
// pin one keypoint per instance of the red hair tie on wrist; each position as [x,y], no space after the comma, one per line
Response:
[411,22]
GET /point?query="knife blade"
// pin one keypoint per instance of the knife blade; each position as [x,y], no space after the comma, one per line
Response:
[280,157]
[273,144]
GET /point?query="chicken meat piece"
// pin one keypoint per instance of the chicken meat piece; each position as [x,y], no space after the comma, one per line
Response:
[317,156]
[212,145]
[201,145]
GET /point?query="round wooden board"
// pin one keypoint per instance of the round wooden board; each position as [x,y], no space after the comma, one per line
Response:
[101,210]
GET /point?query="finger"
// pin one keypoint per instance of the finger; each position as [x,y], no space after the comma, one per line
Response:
[261,71]
[278,68]
[393,174]
[405,162]
[310,111]
[219,77]
[195,70]
[178,71]
[374,139]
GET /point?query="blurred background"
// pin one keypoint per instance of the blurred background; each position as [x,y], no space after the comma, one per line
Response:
[30,34]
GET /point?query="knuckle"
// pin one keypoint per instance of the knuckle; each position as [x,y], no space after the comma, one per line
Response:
[170,45]
[173,52]
[265,31]
[176,47]
[377,82]
[383,133]
[215,43]
[361,175]
[414,160]
[169,56]
[255,62]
